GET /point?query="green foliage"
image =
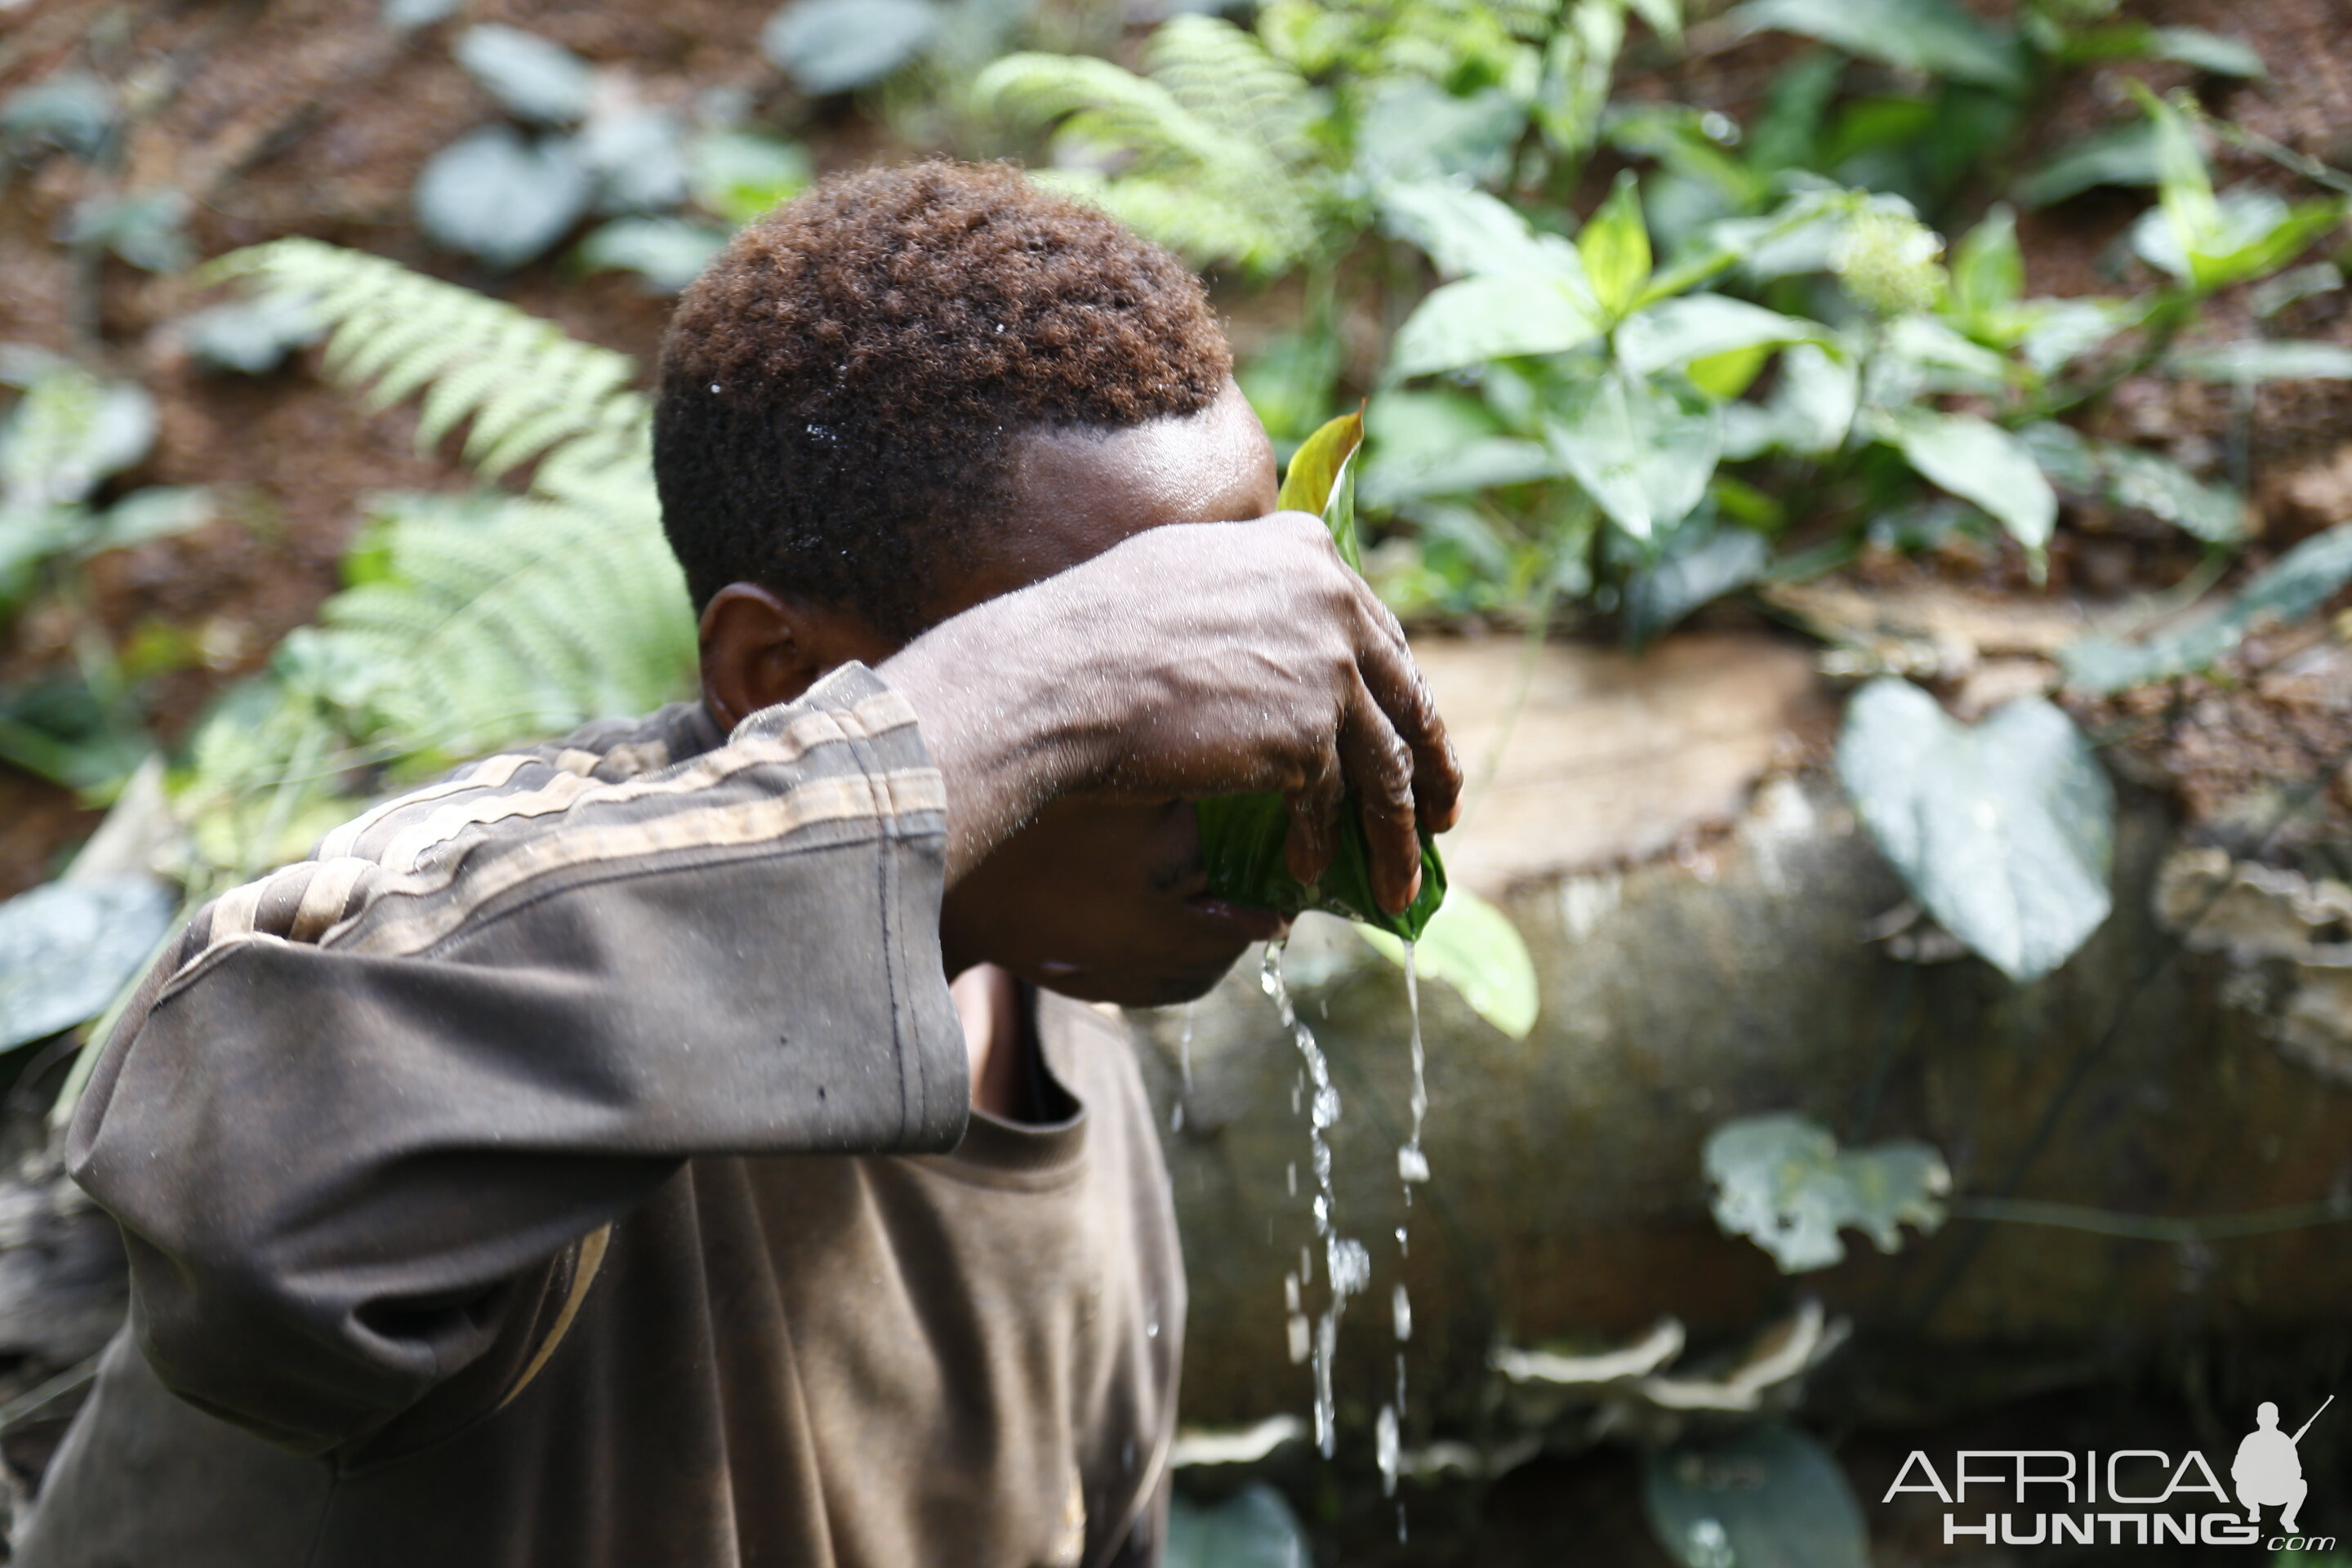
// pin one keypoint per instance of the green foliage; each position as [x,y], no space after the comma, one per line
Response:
[66,948]
[2003,832]
[1473,946]
[1782,1182]
[1252,1528]
[1243,837]
[1213,145]
[468,625]
[1766,1496]
[839,46]
[2295,585]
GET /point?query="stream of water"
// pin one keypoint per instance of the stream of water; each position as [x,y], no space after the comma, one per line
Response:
[1412,1167]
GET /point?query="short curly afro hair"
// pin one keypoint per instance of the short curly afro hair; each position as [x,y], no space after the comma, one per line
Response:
[840,389]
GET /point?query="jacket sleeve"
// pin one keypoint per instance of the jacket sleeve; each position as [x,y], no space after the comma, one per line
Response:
[357,1126]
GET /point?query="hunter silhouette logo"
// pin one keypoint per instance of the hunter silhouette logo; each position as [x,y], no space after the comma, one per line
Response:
[2269,1469]
[2126,1497]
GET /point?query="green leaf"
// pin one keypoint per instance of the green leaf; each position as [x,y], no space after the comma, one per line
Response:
[840,46]
[1980,462]
[2192,46]
[2140,479]
[1931,37]
[738,175]
[1811,411]
[1242,836]
[1764,1496]
[491,194]
[1252,1528]
[1643,451]
[2125,155]
[66,948]
[2255,359]
[68,434]
[1615,248]
[1473,946]
[2058,332]
[69,110]
[531,78]
[2003,832]
[638,156]
[1499,317]
[1416,130]
[1322,480]
[668,253]
[1698,326]
[146,229]
[156,512]
[252,337]
[1782,1182]
[2290,588]
[1988,269]
[1699,566]
[1466,233]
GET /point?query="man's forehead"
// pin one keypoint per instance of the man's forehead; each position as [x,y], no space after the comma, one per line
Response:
[1077,492]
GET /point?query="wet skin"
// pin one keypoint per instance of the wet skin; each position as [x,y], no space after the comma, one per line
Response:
[1089,882]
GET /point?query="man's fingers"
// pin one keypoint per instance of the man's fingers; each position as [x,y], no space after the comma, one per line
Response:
[1395,682]
[1314,836]
[1379,768]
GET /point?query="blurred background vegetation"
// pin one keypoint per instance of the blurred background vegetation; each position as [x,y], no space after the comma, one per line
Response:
[324,328]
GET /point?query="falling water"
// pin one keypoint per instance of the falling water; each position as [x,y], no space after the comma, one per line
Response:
[1412,1167]
[1346,1262]
[1184,1061]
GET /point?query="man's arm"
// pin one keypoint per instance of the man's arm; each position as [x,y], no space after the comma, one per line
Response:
[357,1125]
[370,1099]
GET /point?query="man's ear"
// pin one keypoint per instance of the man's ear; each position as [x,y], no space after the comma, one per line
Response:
[760,649]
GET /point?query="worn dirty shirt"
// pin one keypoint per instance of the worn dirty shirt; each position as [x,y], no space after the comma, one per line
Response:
[572,1164]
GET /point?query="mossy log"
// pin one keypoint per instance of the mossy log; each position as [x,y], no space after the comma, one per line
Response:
[1700,908]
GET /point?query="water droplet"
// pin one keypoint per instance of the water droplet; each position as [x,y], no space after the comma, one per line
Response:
[1384,1441]
[1400,1312]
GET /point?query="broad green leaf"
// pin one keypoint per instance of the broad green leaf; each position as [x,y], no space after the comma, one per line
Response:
[638,156]
[2192,46]
[1442,442]
[2253,233]
[491,194]
[66,948]
[1243,836]
[1931,37]
[668,253]
[1291,381]
[2125,155]
[68,434]
[2059,330]
[840,46]
[69,110]
[1615,248]
[249,336]
[738,175]
[1415,130]
[2274,295]
[1643,451]
[1726,375]
[1696,326]
[1321,480]
[1987,269]
[1497,317]
[2260,359]
[1473,946]
[1782,1182]
[2147,482]
[1466,233]
[531,78]
[2290,588]
[2003,832]
[156,512]
[145,228]
[1764,1496]
[1697,567]
[1809,412]
[2140,479]
[1980,462]
[1252,1528]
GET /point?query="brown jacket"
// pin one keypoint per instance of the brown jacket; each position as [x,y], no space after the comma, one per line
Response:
[556,1170]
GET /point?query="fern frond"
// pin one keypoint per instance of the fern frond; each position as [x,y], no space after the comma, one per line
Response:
[530,622]
[1216,143]
[525,387]
[1225,77]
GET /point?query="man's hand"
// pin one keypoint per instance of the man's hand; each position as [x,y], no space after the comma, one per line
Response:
[1193,660]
